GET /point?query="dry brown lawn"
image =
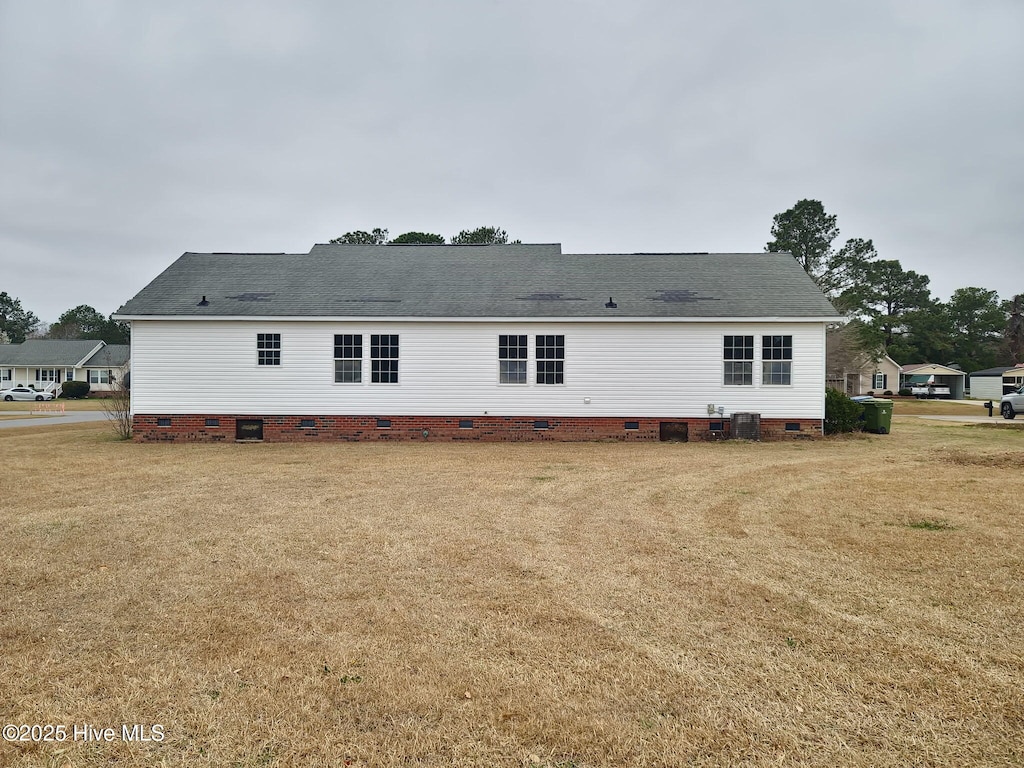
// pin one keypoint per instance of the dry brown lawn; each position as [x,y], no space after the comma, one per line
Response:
[843,602]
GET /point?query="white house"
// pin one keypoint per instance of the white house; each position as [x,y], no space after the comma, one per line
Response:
[499,342]
[993,383]
[47,363]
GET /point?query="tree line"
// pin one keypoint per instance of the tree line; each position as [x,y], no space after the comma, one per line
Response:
[478,236]
[82,322]
[892,310]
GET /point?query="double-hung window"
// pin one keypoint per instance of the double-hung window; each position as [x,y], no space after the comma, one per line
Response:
[879,380]
[738,353]
[268,348]
[512,354]
[777,360]
[384,358]
[551,359]
[5,374]
[46,374]
[348,358]
[97,376]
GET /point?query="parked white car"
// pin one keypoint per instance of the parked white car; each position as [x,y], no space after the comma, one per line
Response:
[24,393]
[1012,404]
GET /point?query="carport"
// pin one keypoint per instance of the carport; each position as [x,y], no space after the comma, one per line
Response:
[939,375]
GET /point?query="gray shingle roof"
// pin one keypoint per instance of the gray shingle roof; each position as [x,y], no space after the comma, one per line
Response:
[480,281]
[110,356]
[55,353]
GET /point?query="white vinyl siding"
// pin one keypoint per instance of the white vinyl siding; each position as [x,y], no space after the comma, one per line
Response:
[633,369]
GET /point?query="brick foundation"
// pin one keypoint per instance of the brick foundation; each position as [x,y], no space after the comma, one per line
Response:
[195,428]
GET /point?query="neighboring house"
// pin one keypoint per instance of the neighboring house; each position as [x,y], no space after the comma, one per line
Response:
[937,375]
[500,342]
[993,383]
[861,372]
[47,363]
[1013,378]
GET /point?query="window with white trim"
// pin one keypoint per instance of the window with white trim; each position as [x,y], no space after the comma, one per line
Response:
[5,374]
[776,360]
[348,358]
[96,376]
[880,380]
[69,374]
[268,348]
[738,354]
[46,374]
[551,359]
[383,358]
[512,356]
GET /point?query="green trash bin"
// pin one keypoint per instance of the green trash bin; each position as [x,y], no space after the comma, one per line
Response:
[877,415]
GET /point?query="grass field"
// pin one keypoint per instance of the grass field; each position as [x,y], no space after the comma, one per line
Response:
[842,602]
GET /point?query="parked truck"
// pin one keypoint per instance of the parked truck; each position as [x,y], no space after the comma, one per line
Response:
[1012,403]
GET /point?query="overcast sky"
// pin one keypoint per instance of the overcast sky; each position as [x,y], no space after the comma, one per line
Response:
[131,132]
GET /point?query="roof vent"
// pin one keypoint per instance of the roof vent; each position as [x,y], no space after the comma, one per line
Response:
[610,304]
[203,302]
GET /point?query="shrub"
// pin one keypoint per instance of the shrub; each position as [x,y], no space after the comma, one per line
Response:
[74,389]
[841,413]
[905,392]
[888,392]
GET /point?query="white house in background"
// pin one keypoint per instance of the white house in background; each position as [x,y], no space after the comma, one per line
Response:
[993,383]
[499,342]
[47,363]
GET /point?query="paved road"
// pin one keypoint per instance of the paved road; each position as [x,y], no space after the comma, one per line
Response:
[964,419]
[71,417]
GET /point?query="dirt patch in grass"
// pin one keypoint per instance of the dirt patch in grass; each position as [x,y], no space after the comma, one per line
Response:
[1006,459]
[515,605]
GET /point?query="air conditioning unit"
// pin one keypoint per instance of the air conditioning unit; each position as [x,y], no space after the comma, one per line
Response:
[746,426]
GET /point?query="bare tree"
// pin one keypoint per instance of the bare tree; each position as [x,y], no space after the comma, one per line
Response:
[118,408]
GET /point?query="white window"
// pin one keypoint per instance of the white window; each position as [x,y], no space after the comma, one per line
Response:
[879,380]
[384,358]
[512,354]
[777,360]
[348,358]
[738,354]
[268,348]
[46,374]
[97,376]
[69,374]
[551,359]
[5,374]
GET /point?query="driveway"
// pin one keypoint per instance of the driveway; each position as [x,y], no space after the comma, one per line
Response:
[71,417]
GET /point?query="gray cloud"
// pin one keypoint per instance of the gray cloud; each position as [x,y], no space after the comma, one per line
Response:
[130,132]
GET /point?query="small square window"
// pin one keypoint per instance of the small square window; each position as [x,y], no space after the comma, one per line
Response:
[307,423]
[540,425]
[383,423]
[268,348]
[632,425]
[465,423]
[213,422]
[163,422]
[716,426]
[792,426]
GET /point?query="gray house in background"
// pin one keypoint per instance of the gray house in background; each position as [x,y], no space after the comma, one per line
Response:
[47,363]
